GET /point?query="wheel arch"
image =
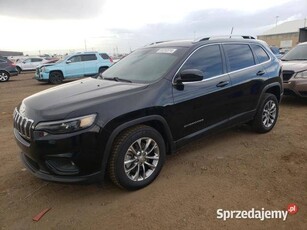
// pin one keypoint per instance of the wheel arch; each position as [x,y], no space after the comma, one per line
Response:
[60,71]
[3,70]
[155,121]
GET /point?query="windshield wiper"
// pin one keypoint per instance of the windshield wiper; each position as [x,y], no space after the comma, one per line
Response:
[295,59]
[117,79]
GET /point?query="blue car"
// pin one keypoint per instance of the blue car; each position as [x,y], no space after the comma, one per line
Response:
[76,65]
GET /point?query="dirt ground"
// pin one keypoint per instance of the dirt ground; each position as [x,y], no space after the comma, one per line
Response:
[233,170]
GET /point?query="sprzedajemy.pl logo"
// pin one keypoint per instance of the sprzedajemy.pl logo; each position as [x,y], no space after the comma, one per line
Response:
[260,214]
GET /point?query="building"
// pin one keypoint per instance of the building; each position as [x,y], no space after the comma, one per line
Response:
[287,34]
[10,53]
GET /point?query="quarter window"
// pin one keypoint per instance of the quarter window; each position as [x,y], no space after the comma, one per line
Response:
[261,55]
[207,59]
[239,56]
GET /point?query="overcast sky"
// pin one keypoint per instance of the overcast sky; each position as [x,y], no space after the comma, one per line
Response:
[67,25]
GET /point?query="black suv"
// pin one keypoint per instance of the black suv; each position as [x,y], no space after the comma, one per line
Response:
[145,106]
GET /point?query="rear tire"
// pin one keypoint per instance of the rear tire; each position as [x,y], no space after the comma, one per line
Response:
[56,77]
[4,76]
[18,69]
[137,157]
[267,114]
[102,69]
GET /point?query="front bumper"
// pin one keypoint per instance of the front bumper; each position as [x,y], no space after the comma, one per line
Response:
[296,86]
[41,76]
[74,157]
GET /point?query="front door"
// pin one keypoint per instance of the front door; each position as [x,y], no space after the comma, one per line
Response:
[202,105]
[74,67]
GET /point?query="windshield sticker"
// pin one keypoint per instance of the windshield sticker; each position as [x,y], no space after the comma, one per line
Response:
[166,51]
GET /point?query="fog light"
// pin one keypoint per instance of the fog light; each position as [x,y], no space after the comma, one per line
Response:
[62,166]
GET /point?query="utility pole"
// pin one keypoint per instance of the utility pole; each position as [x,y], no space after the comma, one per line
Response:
[85,45]
[276,20]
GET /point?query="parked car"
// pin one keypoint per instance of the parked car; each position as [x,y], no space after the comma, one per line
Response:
[7,69]
[146,106]
[295,71]
[74,66]
[29,63]
[276,52]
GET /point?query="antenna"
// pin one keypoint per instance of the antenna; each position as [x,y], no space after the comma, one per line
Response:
[231,32]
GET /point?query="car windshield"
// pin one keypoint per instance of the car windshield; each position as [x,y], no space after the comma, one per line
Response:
[297,53]
[144,65]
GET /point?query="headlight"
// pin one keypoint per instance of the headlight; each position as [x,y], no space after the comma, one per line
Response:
[67,126]
[302,75]
[43,69]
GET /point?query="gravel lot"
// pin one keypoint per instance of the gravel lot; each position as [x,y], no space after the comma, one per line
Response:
[236,170]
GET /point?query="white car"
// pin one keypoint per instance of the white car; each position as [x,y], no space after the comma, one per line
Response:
[29,63]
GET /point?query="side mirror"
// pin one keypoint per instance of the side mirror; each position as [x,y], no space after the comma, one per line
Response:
[190,75]
[68,61]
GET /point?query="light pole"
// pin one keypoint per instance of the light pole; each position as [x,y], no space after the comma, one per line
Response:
[276,20]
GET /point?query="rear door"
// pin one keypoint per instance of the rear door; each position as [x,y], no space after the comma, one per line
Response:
[74,67]
[203,104]
[246,77]
[90,64]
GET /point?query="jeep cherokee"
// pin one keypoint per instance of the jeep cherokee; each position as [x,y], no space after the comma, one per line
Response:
[145,106]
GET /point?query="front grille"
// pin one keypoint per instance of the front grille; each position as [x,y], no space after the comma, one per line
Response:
[37,71]
[23,125]
[287,75]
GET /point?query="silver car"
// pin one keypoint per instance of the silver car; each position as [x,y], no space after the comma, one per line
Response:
[295,71]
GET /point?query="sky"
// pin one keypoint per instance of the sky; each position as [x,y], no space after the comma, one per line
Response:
[60,26]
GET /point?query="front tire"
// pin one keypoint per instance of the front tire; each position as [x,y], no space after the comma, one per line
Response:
[267,114]
[137,157]
[4,76]
[56,77]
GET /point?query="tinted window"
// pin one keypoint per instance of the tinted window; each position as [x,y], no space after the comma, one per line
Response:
[36,59]
[75,58]
[89,57]
[297,53]
[104,56]
[207,59]
[239,56]
[261,55]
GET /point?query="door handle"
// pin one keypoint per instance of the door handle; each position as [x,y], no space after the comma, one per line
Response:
[260,73]
[222,83]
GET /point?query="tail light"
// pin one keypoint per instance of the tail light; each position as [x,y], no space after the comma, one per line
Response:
[111,60]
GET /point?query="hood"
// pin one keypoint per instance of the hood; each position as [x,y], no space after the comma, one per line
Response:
[296,66]
[71,99]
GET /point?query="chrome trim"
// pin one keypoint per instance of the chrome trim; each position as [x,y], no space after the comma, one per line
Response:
[23,125]
[221,75]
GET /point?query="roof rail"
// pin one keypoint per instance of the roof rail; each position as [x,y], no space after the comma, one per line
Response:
[158,42]
[227,36]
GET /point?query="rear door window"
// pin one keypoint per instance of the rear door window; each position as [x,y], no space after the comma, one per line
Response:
[239,56]
[89,57]
[36,59]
